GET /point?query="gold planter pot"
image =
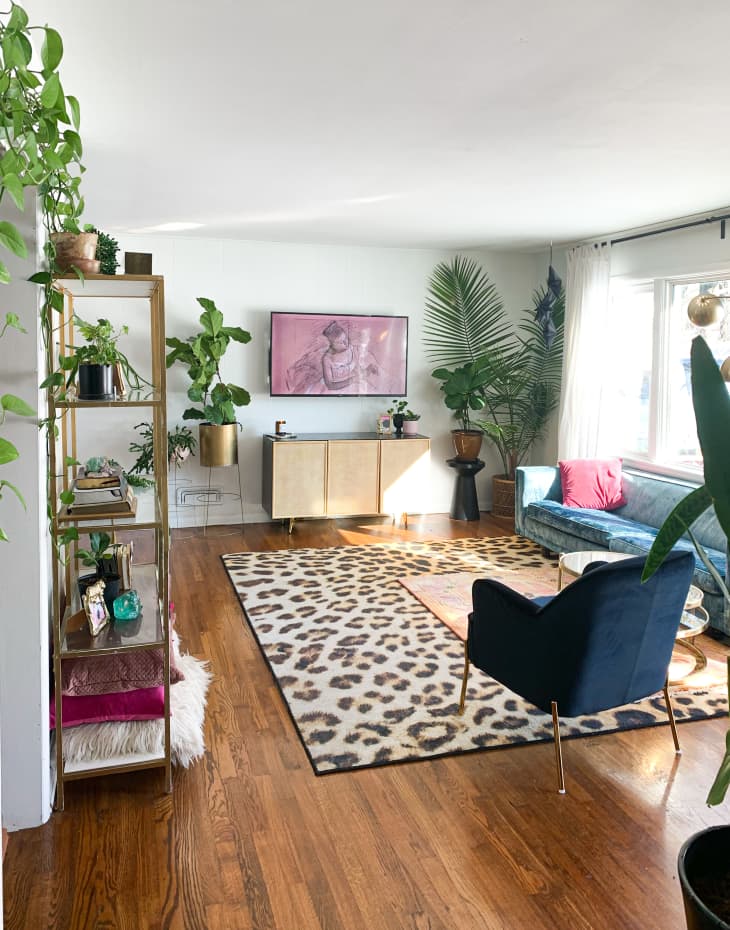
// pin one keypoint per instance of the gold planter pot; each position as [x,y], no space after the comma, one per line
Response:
[218,444]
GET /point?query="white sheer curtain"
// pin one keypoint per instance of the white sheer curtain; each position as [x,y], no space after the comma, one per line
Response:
[585,359]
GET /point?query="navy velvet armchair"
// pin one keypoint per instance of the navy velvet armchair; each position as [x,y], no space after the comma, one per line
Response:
[602,642]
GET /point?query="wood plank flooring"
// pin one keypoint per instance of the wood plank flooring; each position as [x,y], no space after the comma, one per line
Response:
[251,839]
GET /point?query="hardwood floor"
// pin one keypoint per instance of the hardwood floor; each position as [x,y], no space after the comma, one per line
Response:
[251,839]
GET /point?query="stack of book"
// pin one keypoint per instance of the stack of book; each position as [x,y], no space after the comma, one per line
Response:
[101,493]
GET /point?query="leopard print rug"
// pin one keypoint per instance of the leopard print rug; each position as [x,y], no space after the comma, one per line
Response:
[372,677]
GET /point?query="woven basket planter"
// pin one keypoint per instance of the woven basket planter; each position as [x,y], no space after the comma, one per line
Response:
[503,497]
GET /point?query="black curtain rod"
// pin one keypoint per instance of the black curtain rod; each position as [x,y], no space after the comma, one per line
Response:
[667,229]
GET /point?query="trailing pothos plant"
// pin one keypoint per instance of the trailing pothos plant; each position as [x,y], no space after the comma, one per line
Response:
[40,147]
[202,355]
[11,403]
[711,403]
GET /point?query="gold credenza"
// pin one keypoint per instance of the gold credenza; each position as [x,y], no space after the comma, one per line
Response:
[344,474]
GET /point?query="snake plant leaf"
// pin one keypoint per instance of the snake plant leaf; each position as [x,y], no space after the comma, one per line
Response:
[722,779]
[712,412]
[675,526]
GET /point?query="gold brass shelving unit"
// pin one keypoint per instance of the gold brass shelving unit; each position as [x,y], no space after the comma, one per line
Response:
[150,581]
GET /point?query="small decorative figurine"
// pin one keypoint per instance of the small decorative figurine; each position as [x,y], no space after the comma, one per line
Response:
[96,612]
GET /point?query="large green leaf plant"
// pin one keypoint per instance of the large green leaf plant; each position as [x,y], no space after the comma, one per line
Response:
[711,403]
[202,354]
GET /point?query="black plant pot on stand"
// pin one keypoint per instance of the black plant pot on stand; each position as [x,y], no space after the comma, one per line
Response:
[398,423]
[96,382]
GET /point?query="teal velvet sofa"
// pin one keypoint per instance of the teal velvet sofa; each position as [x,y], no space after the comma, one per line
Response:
[541,516]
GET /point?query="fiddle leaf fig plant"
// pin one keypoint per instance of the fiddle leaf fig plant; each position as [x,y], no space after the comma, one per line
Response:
[202,354]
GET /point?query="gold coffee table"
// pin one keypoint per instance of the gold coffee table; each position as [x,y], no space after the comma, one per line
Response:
[695,618]
[574,563]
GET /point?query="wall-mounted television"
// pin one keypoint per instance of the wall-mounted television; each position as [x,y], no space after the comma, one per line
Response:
[338,354]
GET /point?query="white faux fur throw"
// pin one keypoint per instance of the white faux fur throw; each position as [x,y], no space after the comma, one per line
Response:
[187,701]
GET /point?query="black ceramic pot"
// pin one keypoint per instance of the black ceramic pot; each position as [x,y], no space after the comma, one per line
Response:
[95,382]
[702,855]
[398,423]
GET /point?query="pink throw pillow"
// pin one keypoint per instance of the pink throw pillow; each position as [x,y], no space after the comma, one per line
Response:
[124,671]
[143,704]
[593,483]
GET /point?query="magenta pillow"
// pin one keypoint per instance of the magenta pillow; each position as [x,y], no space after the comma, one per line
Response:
[143,704]
[593,483]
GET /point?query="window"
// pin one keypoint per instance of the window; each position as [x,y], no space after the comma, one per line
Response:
[650,406]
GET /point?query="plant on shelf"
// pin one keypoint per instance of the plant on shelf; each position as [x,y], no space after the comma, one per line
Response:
[399,413]
[181,443]
[106,250]
[703,861]
[94,362]
[202,355]
[101,557]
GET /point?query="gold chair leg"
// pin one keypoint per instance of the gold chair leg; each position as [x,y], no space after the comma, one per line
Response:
[465,679]
[672,723]
[558,750]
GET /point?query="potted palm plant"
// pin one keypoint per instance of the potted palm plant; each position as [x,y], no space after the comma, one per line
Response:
[521,391]
[704,860]
[202,354]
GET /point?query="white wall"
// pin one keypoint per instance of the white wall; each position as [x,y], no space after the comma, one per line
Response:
[248,280]
[24,599]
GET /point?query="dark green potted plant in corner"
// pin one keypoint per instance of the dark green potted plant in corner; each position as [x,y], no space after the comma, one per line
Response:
[202,355]
[521,392]
[704,859]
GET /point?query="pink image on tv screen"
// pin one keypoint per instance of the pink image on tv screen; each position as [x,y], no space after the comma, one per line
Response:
[321,354]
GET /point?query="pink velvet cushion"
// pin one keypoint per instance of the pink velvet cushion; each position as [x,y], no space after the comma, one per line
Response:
[594,483]
[126,671]
[143,704]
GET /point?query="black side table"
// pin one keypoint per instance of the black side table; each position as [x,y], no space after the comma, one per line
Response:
[464,503]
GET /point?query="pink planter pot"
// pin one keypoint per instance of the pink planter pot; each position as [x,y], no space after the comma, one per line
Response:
[410,427]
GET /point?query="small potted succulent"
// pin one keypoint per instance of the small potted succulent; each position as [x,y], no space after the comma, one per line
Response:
[202,355]
[410,423]
[100,556]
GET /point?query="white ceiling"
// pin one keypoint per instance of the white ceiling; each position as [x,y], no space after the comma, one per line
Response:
[455,123]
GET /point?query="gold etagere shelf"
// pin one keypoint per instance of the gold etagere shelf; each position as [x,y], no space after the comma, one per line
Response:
[71,636]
